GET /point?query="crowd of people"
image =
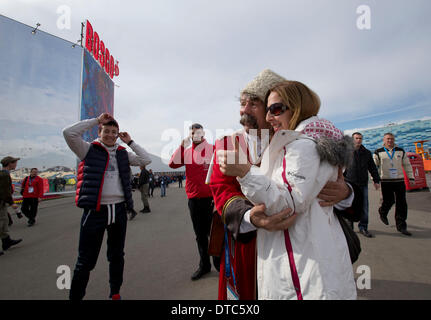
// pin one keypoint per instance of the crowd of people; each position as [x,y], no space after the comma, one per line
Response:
[268,200]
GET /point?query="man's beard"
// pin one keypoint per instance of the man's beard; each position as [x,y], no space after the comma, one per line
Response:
[249,121]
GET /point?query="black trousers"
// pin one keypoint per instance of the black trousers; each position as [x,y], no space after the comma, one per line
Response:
[93,226]
[29,208]
[395,192]
[201,213]
[151,190]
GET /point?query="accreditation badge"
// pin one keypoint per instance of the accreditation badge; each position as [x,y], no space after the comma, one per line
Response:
[231,292]
[30,189]
[393,173]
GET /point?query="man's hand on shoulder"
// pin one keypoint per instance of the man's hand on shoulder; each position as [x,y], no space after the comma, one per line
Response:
[334,191]
[276,222]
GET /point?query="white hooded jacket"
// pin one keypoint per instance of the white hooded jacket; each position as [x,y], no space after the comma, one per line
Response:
[291,174]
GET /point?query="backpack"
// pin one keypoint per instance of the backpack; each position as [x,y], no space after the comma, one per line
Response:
[144,177]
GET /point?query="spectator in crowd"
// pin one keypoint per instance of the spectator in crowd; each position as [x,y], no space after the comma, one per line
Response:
[8,163]
[62,184]
[180,181]
[17,211]
[57,184]
[144,183]
[32,193]
[390,161]
[163,182]
[151,184]
[357,173]
[135,182]
[105,193]
[195,154]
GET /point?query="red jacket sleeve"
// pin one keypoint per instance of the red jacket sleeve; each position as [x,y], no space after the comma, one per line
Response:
[177,159]
[230,202]
[40,187]
[223,188]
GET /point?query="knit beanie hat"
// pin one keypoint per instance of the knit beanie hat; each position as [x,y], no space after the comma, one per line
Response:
[320,128]
[260,85]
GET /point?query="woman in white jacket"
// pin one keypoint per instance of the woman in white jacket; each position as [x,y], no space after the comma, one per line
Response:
[310,260]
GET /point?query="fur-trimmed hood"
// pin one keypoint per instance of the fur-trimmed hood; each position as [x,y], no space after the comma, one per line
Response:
[332,145]
[336,152]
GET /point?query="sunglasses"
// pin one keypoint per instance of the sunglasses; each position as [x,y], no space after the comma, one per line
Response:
[277,109]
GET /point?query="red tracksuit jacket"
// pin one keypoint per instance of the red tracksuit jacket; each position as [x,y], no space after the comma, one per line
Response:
[196,160]
[37,184]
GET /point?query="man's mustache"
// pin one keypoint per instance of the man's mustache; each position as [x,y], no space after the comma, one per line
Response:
[249,120]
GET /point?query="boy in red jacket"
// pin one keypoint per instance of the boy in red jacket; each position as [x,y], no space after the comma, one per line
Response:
[32,187]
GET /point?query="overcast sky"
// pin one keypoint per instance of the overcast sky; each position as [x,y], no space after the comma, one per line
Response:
[186,61]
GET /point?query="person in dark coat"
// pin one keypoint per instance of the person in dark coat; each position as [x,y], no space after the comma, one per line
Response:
[152,183]
[357,173]
[144,185]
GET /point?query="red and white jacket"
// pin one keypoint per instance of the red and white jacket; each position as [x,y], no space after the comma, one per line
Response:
[36,184]
[197,160]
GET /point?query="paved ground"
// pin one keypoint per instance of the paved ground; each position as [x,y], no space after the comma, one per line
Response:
[161,254]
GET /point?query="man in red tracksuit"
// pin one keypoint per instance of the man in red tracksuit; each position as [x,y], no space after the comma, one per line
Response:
[32,187]
[197,160]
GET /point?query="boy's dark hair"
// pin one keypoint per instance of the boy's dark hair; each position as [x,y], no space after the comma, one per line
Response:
[196,126]
[112,123]
[357,133]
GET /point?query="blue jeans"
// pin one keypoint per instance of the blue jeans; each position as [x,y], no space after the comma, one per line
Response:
[163,190]
[363,224]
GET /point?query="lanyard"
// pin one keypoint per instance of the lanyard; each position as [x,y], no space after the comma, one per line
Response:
[390,156]
[228,266]
[30,180]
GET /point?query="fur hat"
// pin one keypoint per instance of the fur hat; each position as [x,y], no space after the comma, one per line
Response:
[260,85]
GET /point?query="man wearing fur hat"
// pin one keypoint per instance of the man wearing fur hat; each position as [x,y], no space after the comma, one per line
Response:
[238,275]
[6,200]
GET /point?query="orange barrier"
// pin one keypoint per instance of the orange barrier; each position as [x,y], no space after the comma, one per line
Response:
[418,172]
[419,145]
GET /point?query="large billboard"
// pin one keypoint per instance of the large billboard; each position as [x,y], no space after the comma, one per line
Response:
[40,85]
[97,92]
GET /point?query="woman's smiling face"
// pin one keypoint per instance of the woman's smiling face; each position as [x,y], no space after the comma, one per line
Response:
[280,122]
